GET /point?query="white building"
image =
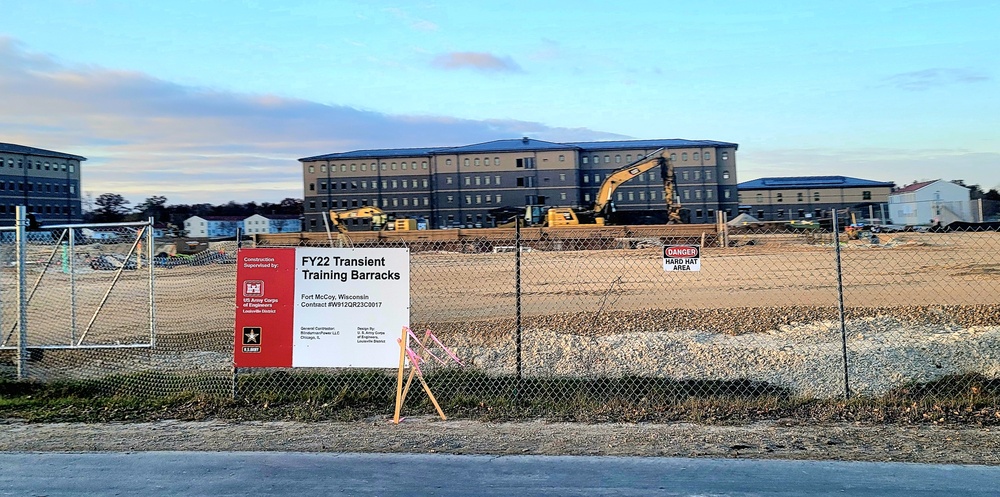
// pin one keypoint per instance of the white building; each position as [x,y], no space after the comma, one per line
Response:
[212,226]
[274,223]
[930,202]
[226,226]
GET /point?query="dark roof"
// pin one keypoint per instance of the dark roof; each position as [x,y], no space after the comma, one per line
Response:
[810,182]
[279,216]
[21,149]
[383,153]
[513,145]
[914,187]
[665,143]
[525,144]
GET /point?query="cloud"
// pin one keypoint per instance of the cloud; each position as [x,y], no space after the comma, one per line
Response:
[145,136]
[480,61]
[415,23]
[935,77]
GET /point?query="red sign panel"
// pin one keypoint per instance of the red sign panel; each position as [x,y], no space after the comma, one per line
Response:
[265,307]
[680,252]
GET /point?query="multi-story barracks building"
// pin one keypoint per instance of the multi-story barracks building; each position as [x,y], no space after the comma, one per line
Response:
[468,186]
[46,182]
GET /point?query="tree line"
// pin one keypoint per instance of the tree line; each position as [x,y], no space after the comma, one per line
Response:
[112,208]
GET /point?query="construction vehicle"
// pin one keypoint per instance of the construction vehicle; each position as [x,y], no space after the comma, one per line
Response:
[375,217]
[603,204]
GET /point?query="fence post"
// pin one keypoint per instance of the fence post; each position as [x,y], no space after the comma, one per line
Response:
[840,301]
[21,222]
[517,294]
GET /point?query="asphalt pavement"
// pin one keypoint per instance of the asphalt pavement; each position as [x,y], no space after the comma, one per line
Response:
[301,474]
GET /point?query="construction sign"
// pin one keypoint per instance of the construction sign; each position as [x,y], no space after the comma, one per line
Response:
[681,258]
[320,307]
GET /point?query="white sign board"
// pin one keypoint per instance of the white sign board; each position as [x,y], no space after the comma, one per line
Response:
[350,306]
[681,258]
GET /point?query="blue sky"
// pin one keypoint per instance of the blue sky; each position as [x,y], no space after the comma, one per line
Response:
[211,101]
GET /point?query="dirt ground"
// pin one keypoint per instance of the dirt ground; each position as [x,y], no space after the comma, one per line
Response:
[783,439]
[913,269]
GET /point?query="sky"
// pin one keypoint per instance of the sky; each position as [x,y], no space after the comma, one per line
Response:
[214,101]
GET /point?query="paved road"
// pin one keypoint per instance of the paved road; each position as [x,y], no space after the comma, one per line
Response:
[300,474]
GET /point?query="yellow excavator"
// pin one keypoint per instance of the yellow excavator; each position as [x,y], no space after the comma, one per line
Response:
[597,214]
[339,219]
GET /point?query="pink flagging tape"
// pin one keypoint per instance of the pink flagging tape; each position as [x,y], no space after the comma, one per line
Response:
[446,349]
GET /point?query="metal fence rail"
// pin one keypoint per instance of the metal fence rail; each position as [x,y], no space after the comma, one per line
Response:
[545,318]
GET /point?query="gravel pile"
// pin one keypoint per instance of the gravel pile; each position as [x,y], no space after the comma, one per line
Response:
[796,349]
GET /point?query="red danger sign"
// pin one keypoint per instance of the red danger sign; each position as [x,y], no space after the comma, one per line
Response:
[681,251]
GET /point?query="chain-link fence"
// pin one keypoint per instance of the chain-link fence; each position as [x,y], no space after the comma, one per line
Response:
[588,317]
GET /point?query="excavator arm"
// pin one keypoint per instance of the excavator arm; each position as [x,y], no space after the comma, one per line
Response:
[615,179]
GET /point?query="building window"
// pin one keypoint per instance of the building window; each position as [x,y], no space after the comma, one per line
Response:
[618,159]
[673,156]
[684,157]
[354,167]
[697,194]
[586,178]
[697,175]
[562,196]
[479,180]
[425,183]
[312,187]
[815,196]
[725,155]
[799,197]
[687,195]
[562,176]
[695,156]
[447,162]
[562,158]
[725,174]
[778,197]
[451,198]
[402,165]
[708,157]
[697,213]
[708,175]
[479,199]
[866,195]
[708,193]
[312,169]
[465,162]
[684,175]
[423,164]
[392,166]
[448,180]
[584,159]
[628,158]
[477,161]
[468,199]
[468,181]
[395,184]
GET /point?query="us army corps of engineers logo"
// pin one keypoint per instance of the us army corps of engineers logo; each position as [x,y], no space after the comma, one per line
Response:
[251,339]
